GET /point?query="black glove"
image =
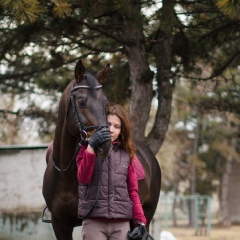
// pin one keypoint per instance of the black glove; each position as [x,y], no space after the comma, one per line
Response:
[139,233]
[99,137]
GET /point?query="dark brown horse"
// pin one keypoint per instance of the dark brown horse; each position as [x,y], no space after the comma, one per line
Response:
[82,109]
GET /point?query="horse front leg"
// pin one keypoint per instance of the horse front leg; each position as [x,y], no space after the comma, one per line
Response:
[62,230]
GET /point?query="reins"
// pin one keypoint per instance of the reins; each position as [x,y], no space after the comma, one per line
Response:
[97,194]
[72,160]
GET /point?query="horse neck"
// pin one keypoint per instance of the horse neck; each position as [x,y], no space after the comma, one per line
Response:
[64,143]
[64,146]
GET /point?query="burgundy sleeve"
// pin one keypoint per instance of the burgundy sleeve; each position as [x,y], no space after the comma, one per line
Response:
[138,214]
[85,165]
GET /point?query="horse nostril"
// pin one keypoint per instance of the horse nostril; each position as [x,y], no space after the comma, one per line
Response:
[100,149]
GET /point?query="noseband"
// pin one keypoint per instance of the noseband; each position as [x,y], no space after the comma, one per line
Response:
[82,128]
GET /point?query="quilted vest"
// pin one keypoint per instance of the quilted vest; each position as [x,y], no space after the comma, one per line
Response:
[114,201]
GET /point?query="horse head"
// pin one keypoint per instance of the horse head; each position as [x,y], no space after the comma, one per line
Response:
[88,111]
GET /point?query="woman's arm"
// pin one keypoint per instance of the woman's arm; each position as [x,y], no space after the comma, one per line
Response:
[138,214]
[85,163]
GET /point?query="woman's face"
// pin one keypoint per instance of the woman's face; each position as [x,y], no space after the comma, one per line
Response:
[114,126]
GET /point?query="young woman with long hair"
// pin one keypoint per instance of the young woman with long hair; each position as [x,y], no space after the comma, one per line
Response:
[113,179]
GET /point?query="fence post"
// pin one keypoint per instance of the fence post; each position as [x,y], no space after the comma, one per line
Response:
[166,212]
[196,199]
[209,215]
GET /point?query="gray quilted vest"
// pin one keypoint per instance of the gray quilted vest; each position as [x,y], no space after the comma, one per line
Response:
[114,201]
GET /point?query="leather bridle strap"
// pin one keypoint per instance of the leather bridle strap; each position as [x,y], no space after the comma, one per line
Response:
[84,87]
[82,129]
[81,126]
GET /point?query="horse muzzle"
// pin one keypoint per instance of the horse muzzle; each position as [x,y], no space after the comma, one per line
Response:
[104,149]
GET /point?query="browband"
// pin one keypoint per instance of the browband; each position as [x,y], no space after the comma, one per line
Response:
[84,87]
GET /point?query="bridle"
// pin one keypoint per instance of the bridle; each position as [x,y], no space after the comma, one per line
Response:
[82,128]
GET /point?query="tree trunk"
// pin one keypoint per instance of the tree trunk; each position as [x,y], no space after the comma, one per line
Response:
[225,213]
[140,73]
[163,52]
[193,165]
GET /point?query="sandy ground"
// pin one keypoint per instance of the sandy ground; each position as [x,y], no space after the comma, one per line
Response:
[216,233]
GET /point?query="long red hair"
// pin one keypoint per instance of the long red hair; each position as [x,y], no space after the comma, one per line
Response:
[125,135]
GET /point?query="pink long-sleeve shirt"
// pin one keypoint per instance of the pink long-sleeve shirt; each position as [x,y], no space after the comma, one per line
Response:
[85,163]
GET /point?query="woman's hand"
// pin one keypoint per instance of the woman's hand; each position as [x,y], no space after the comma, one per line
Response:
[99,137]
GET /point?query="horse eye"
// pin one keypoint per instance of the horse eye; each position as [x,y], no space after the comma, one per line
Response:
[81,102]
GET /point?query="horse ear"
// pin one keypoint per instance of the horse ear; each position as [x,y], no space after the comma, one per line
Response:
[102,75]
[79,71]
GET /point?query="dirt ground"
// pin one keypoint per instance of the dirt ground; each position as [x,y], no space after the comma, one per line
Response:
[216,233]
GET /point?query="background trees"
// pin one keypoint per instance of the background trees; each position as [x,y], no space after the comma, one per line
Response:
[159,51]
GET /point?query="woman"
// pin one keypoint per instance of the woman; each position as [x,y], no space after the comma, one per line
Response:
[118,201]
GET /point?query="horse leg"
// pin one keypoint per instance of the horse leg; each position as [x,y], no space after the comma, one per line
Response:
[62,230]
